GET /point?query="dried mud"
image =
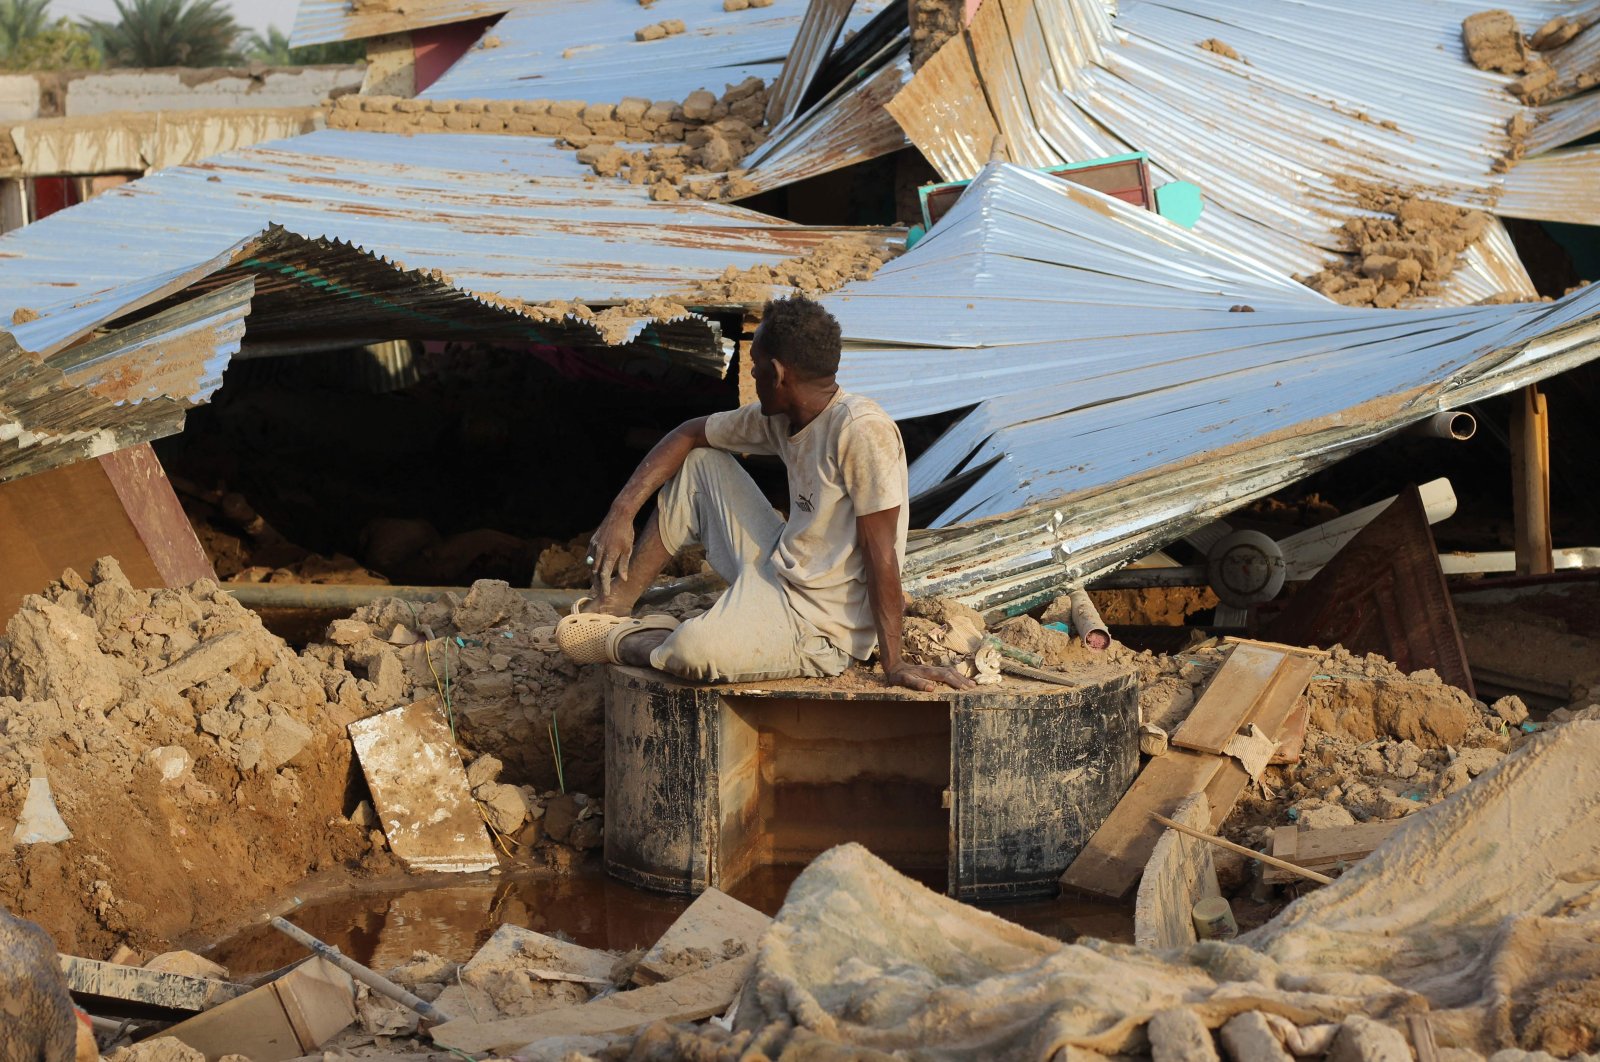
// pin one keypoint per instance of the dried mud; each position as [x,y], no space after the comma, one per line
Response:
[1407,250]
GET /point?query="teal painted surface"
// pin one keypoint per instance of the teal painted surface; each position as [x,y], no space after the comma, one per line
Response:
[1180,203]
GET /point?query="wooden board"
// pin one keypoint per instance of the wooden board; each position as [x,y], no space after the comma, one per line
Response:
[541,953]
[288,1018]
[419,789]
[688,998]
[1229,700]
[1181,872]
[710,922]
[1292,741]
[1116,855]
[94,980]
[1325,848]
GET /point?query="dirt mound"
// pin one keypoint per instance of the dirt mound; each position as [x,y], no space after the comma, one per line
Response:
[509,693]
[1406,248]
[1222,48]
[199,763]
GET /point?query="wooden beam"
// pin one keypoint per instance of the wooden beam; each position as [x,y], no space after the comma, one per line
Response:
[1530,482]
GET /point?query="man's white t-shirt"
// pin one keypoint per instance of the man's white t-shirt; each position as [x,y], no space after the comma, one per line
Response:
[850,461]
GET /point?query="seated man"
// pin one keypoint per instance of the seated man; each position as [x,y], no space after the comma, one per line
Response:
[806,595]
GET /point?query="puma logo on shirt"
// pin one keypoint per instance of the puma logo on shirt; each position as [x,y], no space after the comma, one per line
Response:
[804,503]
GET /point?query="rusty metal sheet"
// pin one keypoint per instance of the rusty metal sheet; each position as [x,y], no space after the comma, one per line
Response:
[1384,592]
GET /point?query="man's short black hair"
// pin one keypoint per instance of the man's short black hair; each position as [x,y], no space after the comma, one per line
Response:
[800,333]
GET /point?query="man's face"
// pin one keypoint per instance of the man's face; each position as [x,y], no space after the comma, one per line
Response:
[764,372]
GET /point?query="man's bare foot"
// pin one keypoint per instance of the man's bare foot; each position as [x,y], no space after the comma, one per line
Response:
[635,649]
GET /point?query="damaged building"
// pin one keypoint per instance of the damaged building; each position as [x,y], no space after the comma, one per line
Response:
[1246,389]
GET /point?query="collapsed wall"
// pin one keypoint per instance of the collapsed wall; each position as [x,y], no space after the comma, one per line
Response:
[203,767]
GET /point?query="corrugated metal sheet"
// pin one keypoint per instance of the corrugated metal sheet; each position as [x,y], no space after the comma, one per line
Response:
[324,21]
[1113,401]
[1555,186]
[502,220]
[585,50]
[126,386]
[848,126]
[823,22]
[1280,140]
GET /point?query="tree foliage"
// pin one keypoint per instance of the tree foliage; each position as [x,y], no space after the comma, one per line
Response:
[272,48]
[29,40]
[151,33]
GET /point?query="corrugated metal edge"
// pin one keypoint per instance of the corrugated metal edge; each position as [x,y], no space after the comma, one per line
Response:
[116,390]
[819,29]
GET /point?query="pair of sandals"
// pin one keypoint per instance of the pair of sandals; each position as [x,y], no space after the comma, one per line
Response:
[595,637]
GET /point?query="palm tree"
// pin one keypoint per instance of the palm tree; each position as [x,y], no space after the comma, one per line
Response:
[272,48]
[20,20]
[167,33]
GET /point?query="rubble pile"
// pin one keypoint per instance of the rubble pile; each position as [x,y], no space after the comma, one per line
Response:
[1493,41]
[1403,250]
[489,657]
[200,763]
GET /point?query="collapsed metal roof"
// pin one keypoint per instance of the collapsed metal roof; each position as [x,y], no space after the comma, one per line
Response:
[1113,398]
[326,21]
[358,237]
[500,220]
[585,50]
[1282,139]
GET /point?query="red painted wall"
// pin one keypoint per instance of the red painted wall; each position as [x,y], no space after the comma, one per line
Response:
[436,48]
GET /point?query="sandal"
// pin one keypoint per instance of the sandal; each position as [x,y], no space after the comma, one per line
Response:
[593,637]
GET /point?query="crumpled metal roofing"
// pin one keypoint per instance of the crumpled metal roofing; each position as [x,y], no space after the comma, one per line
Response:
[585,50]
[60,404]
[1280,140]
[1112,399]
[495,220]
[325,21]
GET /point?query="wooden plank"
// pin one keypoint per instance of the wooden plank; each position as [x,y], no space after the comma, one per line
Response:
[158,517]
[1181,872]
[419,789]
[1530,482]
[1321,849]
[714,919]
[535,950]
[1228,700]
[66,517]
[688,998]
[1304,650]
[288,1018]
[1421,1028]
[1277,700]
[1116,855]
[96,980]
[1292,740]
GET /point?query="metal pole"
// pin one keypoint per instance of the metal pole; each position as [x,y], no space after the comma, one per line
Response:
[377,982]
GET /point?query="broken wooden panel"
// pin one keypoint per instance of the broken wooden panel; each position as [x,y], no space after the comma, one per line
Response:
[287,1018]
[1325,849]
[419,788]
[715,924]
[1226,704]
[688,998]
[1384,592]
[1182,871]
[119,505]
[110,983]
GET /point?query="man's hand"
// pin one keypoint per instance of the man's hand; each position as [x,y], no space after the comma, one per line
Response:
[926,678]
[609,552]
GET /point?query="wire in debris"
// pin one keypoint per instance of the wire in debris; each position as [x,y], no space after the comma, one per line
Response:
[555,749]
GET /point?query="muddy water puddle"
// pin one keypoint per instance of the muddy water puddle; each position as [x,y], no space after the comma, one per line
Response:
[382,924]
